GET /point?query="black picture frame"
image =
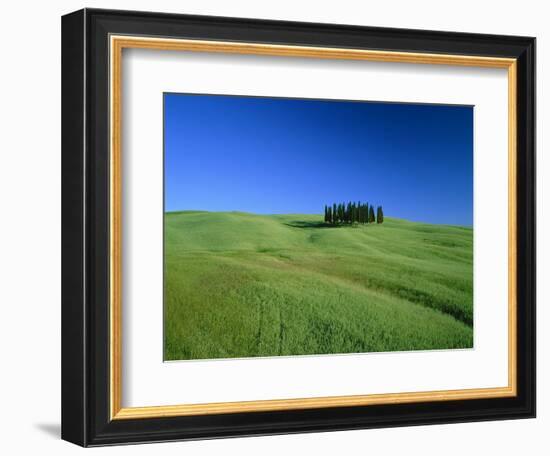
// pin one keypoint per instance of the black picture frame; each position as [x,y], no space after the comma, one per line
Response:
[85,228]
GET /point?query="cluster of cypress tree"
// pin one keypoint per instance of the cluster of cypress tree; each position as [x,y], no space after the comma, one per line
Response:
[353,213]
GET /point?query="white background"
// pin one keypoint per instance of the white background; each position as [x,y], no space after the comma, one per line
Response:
[147,74]
[30,229]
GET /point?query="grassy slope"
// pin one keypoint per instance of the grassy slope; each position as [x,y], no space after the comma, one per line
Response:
[240,285]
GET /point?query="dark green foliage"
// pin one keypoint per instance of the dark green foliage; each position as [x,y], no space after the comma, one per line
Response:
[353,212]
[379,215]
[371,215]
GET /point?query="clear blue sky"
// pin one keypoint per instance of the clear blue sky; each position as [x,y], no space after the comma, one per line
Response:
[277,155]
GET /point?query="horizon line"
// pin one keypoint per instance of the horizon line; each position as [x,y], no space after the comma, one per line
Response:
[315,213]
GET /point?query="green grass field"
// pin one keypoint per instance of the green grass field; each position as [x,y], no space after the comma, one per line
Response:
[244,285]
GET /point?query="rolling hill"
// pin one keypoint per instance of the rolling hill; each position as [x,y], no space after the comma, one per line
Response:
[243,285]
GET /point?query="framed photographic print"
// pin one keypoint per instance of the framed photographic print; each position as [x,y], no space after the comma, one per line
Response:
[277,227]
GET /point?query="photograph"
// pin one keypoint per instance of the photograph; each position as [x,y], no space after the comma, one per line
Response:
[298,226]
[272,226]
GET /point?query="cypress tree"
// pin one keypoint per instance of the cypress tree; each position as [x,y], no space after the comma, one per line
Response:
[353,212]
[380,215]
[371,214]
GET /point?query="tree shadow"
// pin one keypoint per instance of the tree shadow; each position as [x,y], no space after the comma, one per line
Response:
[304,224]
